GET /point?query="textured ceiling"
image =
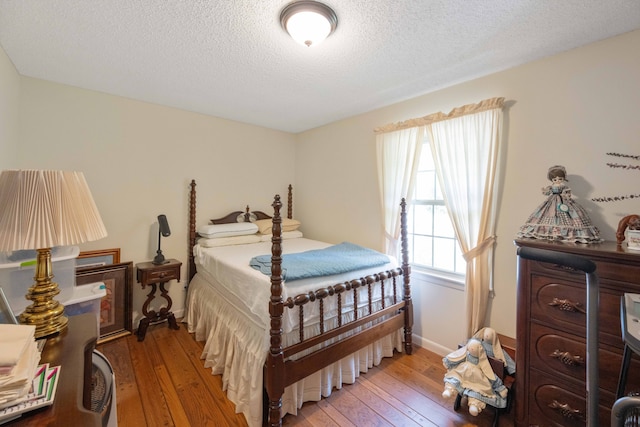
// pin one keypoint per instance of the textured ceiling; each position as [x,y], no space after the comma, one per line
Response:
[231,58]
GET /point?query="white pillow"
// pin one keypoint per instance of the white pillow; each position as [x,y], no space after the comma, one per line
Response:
[285,235]
[265,225]
[228,241]
[216,231]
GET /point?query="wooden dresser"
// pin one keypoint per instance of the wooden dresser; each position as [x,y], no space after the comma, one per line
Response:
[551,334]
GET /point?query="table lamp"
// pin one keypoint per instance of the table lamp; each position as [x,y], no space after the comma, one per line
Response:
[40,209]
[163,230]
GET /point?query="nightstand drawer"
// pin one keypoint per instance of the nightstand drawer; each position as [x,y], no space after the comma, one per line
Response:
[162,275]
[149,273]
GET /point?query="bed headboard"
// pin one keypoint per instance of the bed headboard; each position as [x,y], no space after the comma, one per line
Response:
[230,218]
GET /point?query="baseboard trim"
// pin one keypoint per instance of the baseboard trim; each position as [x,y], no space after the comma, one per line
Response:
[431,346]
[507,343]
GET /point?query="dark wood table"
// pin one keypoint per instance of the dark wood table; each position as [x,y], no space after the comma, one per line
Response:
[72,349]
[154,275]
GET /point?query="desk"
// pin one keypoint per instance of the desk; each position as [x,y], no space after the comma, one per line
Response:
[72,349]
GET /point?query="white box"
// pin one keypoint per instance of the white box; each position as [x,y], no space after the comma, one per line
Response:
[633,239]
[17,269]
[86,299]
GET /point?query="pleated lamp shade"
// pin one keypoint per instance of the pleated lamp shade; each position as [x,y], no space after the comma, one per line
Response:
[43,209]
[40,210]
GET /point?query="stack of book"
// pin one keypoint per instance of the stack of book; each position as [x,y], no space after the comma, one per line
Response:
[24,383]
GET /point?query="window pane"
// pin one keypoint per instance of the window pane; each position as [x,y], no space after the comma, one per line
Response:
[442,223]
[422,250]
[426,158]
[410,219]
[443,254]
[439,195]
[461,264]
[432,239]
[426,185]
[424,219]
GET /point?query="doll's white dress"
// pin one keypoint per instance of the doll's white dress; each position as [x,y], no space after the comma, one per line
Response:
[472,376]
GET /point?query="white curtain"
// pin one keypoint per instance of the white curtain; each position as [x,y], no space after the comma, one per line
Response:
[466,147]
[398,157]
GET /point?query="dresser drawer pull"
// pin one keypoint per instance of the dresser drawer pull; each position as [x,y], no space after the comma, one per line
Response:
[567,358]
[565,268]
[567,305]
[567,411]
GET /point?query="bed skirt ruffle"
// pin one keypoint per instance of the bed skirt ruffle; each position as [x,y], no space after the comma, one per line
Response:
[236,345]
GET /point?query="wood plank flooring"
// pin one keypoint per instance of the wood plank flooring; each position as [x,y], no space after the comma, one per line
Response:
[161,381]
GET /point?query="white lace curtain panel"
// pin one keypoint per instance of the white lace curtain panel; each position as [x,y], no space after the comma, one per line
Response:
[466,144]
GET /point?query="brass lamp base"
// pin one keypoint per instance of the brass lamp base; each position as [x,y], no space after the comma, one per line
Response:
[45,313]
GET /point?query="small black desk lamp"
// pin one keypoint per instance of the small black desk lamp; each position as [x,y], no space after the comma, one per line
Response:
[163,230]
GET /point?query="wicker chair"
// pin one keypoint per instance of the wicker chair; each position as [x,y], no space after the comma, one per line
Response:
[507,380]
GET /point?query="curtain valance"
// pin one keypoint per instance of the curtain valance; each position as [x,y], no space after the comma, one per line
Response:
[484,105]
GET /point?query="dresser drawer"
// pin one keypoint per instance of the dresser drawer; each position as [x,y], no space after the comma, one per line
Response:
[562,304]
[562,354]
[555,403]
[621,273]
[616,270]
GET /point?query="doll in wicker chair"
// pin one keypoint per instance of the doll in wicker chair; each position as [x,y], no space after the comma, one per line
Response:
[469,374]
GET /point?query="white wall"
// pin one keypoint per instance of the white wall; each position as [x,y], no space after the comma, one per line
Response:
[139,159]
[568,109]
[9,109]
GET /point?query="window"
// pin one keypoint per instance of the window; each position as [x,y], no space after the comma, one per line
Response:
[432,241]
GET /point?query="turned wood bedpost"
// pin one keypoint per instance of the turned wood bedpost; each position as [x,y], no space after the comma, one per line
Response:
[406,272]
[192,230]
[290,203]
[274,367]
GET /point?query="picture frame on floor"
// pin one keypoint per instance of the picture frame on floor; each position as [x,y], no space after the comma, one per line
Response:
[97,258]
[115,307]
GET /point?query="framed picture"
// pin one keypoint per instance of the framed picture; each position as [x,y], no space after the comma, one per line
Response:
[98,258]
[6,314]
[115,307]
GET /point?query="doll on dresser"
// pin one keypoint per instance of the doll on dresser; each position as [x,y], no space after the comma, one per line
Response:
[559,217]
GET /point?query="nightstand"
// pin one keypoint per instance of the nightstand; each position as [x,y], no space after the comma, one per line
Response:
[154,275]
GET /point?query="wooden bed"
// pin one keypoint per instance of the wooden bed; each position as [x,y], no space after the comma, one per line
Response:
[286,365]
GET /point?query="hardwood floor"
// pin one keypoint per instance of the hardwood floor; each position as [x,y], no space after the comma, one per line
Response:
[161,381]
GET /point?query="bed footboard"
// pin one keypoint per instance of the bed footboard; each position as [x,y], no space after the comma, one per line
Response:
[281,370]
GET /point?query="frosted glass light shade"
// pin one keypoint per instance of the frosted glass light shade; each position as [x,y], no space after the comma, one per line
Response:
[43,209]
[308,22]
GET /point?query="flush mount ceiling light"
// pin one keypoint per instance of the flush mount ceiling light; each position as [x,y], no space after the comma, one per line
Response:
[308,22]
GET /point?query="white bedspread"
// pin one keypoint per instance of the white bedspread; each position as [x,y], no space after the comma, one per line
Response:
[230,266]
[227,307]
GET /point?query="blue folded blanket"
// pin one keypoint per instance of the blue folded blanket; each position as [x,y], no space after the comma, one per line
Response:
[335,259]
